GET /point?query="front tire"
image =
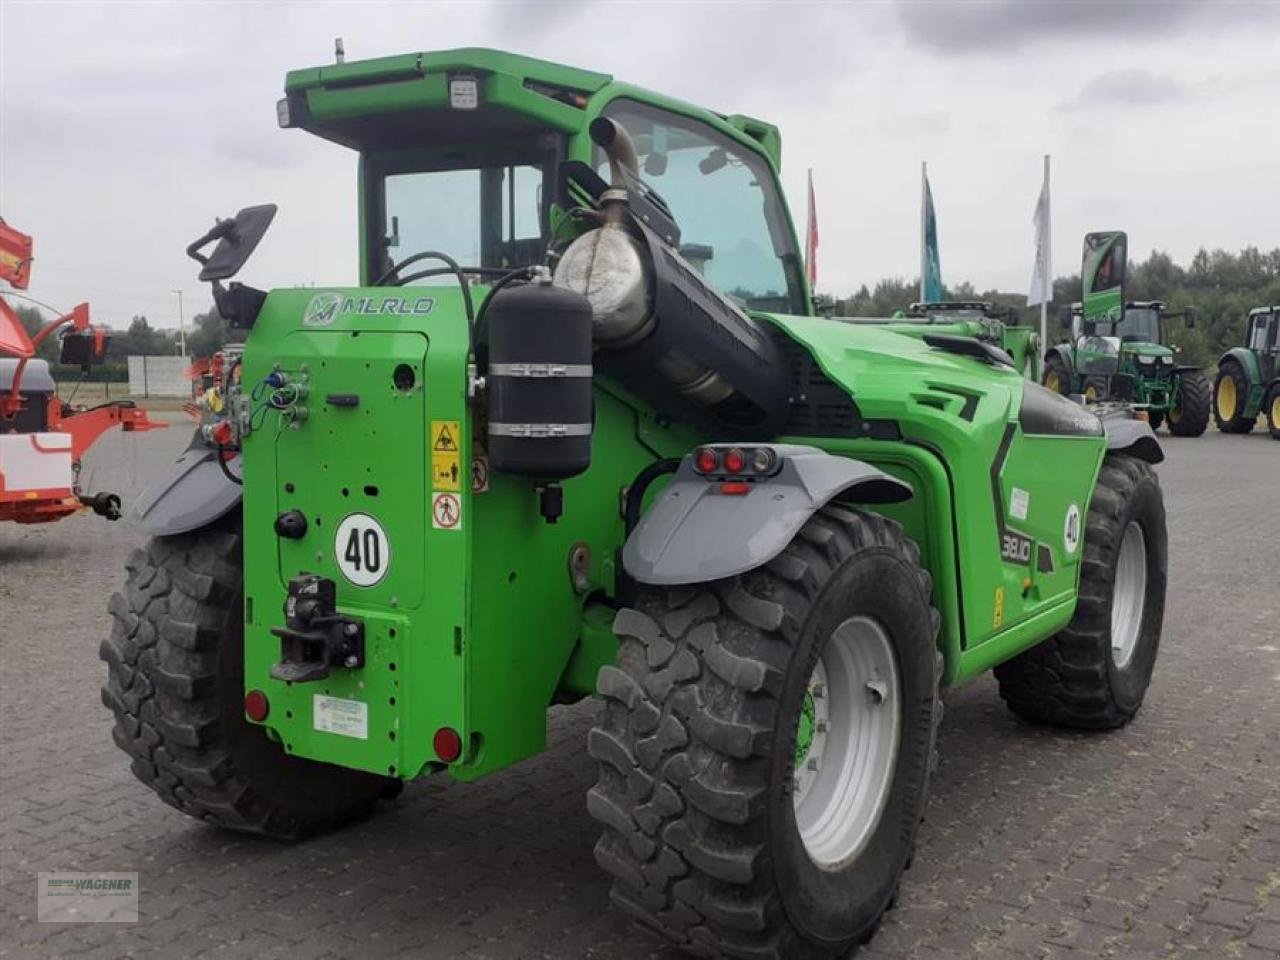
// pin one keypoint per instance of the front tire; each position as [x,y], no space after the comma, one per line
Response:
[1094,674]
[710,835]
[175,682]
[1273,412]
[1230,397]
[1189,416]
[1056,375]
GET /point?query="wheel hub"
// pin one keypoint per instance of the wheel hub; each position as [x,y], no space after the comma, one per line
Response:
[1227,398]
[1129,595]
[847,742]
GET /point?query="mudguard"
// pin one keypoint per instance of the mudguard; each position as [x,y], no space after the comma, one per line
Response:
[1063,352]
[194,493]
[1131,436]
[694,533]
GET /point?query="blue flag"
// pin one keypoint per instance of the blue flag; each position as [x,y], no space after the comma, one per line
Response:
[930,265]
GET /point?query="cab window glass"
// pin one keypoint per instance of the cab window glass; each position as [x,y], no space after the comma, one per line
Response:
[723,197]
[484,215]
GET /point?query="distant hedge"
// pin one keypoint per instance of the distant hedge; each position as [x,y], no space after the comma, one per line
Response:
[103,373]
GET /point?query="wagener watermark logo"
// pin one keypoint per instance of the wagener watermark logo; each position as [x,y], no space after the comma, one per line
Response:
[87,897]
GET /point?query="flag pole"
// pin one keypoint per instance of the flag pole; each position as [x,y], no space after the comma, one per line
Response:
[1047,282]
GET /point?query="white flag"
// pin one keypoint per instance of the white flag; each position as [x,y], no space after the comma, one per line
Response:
[1042,273]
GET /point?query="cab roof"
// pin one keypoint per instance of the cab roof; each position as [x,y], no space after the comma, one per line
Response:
[350,103]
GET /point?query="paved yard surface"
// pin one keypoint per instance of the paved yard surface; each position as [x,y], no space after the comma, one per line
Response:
[1160,840]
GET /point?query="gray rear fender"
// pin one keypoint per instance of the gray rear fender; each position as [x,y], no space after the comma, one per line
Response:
[194,493]
[694,533]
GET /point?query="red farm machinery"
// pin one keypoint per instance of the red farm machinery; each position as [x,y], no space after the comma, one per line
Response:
[42,439]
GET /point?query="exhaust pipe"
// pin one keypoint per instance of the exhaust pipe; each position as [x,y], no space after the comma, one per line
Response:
[618,147]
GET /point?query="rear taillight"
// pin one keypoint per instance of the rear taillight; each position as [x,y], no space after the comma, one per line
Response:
[256,706]
[739,463]
[447,744]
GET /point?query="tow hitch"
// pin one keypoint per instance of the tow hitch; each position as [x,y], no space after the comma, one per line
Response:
[315,637]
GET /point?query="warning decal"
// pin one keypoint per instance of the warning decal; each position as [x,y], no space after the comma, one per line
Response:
[446,511]
[446,465]
[444,436]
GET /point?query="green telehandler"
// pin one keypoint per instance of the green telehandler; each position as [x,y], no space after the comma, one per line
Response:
[992,323]
[576,431]
[1117,349]
[1248,382]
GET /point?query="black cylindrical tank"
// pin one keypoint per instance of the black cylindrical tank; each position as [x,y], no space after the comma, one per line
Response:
[539,381]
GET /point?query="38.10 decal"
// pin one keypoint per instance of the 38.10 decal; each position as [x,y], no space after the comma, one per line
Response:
[362,550]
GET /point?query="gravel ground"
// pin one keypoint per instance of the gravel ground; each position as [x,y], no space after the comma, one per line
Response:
[1161,840]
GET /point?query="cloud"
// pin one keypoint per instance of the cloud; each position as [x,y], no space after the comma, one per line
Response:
[997,27]
[1125,88]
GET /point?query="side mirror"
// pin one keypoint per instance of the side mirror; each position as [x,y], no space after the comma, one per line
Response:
[1102,273]
[237,239]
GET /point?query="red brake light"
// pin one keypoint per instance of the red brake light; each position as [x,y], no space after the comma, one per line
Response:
[706,461]
[735,488]
[256,706]
[734,461]
[447,744]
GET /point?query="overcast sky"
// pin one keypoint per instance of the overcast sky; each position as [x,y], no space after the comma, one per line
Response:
[126,128]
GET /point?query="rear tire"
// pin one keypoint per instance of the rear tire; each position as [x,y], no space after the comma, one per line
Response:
[1095,673]
[1056,375]
[1189,416]
[1230,396]
[1272,408]
[175,682]
[698,792]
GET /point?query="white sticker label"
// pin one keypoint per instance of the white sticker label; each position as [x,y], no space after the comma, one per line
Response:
[1019,503]
[346,718]
[1071,529]
[362,549]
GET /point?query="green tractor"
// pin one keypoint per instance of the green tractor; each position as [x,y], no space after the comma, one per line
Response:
[576,431]
[1249,377]
[1117,348]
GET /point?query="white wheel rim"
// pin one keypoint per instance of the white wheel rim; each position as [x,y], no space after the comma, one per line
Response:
[853,706]
[1128,595]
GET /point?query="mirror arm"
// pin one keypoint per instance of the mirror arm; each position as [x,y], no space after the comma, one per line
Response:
[223,228]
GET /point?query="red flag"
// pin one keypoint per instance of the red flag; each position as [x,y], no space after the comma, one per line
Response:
[811,240]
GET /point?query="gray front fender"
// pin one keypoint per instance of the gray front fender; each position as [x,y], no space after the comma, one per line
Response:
[195,492]
[694,533]
[1131,436]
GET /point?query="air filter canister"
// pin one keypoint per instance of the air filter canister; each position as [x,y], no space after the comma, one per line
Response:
[539,381]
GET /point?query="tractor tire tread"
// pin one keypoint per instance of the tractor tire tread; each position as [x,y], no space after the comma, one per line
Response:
[161,666]
[1063,681]
[683,814]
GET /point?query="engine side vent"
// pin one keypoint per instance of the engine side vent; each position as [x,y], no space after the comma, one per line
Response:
[822,408]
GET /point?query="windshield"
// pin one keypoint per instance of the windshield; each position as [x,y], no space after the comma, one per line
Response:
[1140,325]
[725,201]
[482,207]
